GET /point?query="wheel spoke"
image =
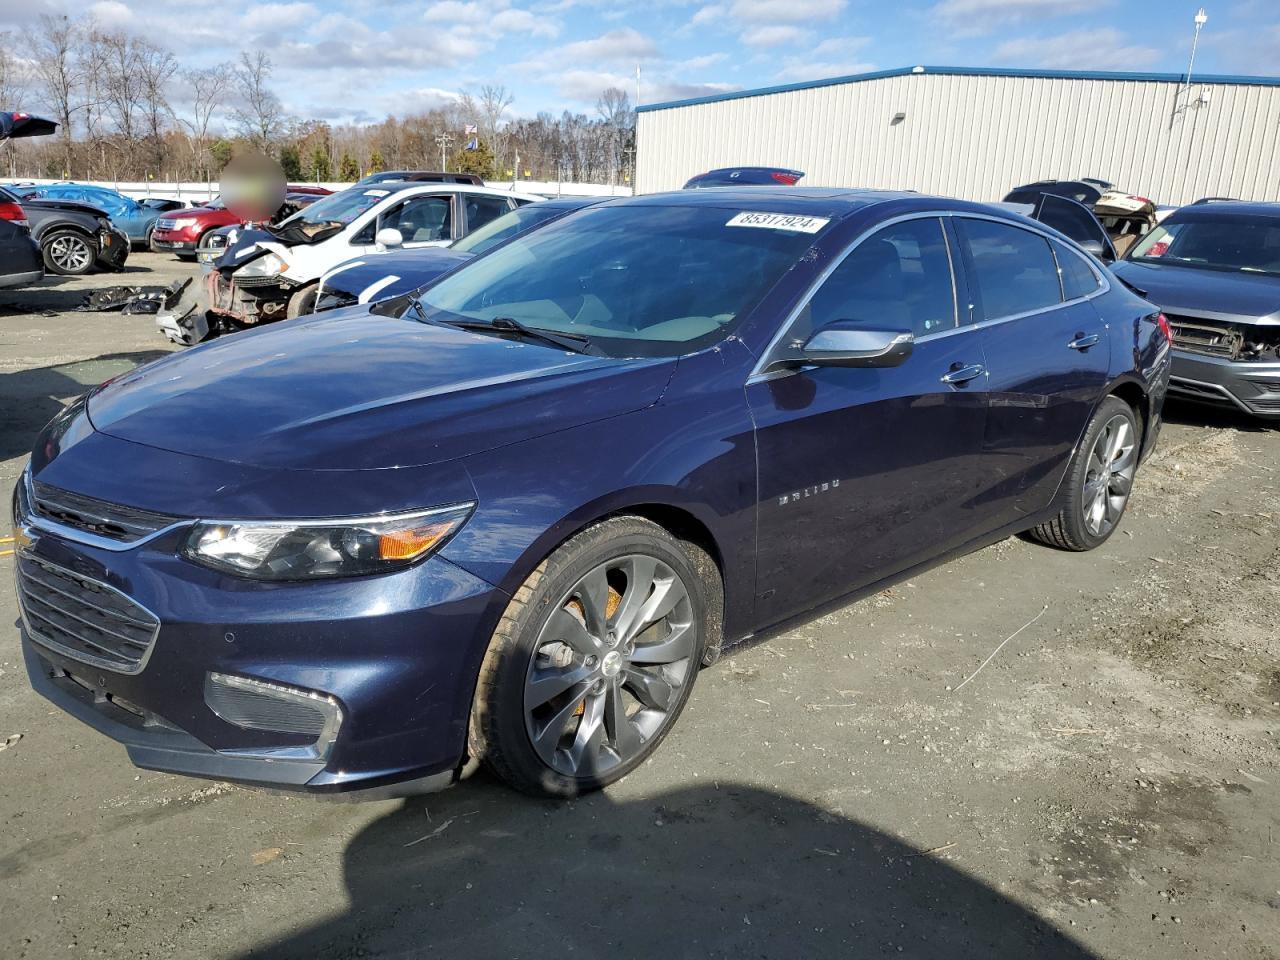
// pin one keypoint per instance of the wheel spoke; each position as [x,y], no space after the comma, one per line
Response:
[651,690]
[593,594]
[677,646]
[1119,437]
[623,735]
[584,752]
[547,683]
[626,619]
[546,740]
[1120,485]
[567,628]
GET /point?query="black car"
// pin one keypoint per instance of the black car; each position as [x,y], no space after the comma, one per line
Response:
[74,237]
[163,204]
[1085,190]
[420,176]
[1214,269]
[20,260]
[745,176]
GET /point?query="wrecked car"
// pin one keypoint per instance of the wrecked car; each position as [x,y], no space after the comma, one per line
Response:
[273,272]
[184,233]
[1214,269]
[1127,218]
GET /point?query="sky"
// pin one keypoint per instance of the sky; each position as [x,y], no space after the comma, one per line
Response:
[360,60]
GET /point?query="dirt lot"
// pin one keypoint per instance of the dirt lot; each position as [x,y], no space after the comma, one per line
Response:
[1106,787]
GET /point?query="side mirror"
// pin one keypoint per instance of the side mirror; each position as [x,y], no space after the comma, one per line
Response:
[847,343]
[1096,248]
[389,238]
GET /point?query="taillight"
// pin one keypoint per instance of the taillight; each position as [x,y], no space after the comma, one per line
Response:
[13,213]
[788,179]
[1163,323]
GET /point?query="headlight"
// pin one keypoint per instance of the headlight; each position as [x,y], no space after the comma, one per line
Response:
[268,266]
[306,549]
[182,223]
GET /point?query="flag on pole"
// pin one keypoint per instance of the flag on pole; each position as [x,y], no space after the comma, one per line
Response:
[470,130]
[472,144]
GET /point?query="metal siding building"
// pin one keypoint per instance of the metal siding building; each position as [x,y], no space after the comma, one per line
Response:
[974,133]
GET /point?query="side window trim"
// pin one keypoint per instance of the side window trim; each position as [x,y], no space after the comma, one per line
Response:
[1097,278]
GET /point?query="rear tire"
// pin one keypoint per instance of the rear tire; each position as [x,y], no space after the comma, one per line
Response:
[1096,488]
[622,664]
[68,252]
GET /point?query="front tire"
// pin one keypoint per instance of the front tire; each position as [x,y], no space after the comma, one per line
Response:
[593,660]
[1098,482]
[69,253]
[302,302]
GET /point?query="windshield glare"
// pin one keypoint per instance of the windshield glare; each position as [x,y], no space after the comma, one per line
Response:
[637,281]
[341,207]
[505,227]
[1235,243]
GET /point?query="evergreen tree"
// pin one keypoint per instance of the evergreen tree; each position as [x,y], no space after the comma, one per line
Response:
[320,169]
[348,169]
[291,163]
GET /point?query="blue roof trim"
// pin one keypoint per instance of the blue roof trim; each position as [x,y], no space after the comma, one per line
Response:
[1236,80]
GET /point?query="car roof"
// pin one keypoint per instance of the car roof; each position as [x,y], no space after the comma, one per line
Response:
[400,186]
[810,201]
[1216,209]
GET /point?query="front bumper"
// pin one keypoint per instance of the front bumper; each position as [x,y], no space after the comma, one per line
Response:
[113,250]
[396,653]
[1252,387]
[160,245]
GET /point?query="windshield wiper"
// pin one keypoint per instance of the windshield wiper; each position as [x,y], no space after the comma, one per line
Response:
[566,341]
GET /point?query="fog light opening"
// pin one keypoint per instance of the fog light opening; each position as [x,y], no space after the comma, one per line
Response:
[275,708]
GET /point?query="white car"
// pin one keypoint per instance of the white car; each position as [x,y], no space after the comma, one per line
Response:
[279,277]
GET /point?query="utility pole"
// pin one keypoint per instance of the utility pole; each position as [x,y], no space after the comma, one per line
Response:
[444,140]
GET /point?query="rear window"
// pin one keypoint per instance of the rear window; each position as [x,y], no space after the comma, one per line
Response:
[1078,278]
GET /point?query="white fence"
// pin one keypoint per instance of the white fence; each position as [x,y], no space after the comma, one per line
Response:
[196,192]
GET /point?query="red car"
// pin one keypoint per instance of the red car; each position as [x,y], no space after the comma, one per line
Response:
[179,232]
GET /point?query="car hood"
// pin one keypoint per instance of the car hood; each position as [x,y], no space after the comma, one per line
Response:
[72,206]
[409,268]
[352,390]
[1213,294]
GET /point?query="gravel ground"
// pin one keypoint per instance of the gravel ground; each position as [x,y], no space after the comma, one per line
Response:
[1105,787]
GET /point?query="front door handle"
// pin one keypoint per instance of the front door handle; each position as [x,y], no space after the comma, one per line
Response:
[1081,342]
[963,374]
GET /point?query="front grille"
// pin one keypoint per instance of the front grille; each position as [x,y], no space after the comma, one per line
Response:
[166,225]
[83,618]
[1204,336]
[1267,405]
[111,520]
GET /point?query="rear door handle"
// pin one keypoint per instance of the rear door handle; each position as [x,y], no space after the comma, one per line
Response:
[963,374]
[1081,342]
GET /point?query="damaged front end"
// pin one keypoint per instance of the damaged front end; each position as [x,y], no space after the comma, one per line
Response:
[1227,362]
[244,287]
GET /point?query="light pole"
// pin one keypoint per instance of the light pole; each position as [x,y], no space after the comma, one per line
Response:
[1200,20]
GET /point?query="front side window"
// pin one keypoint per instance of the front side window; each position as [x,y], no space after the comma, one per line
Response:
[421,219]
[642,280]
[340,208]
[1234,243]
[1013,269]
[896,279]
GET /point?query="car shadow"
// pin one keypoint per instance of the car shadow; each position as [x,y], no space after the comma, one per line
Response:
[1192,414]
[703,871]
[30,398]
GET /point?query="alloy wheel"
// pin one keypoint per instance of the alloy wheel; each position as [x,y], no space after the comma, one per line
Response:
[609,666]
[1108,477]
[70,253]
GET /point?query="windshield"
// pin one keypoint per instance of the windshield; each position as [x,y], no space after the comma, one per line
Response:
[634,280]
[506,227]
[341,207]
[1234,243]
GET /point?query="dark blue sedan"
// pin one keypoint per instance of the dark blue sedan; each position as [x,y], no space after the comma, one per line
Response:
[509,519]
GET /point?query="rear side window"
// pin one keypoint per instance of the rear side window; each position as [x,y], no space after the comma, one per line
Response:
[1078,279]
[896,279]
[421,219]
[482,210]
[1013,269]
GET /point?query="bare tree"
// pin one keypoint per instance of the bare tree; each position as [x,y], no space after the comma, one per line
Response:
[260,116]
[57,71]
[13,86]
[209,89]
[156,68]
[614,107]
[492,105]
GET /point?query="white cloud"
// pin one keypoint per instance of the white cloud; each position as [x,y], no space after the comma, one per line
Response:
[976,17]
[111,13]
[1102,49]
[278,16]
[522,21]
[617,46]
[799,69]
[774,35]
[786,11]
[701,63]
